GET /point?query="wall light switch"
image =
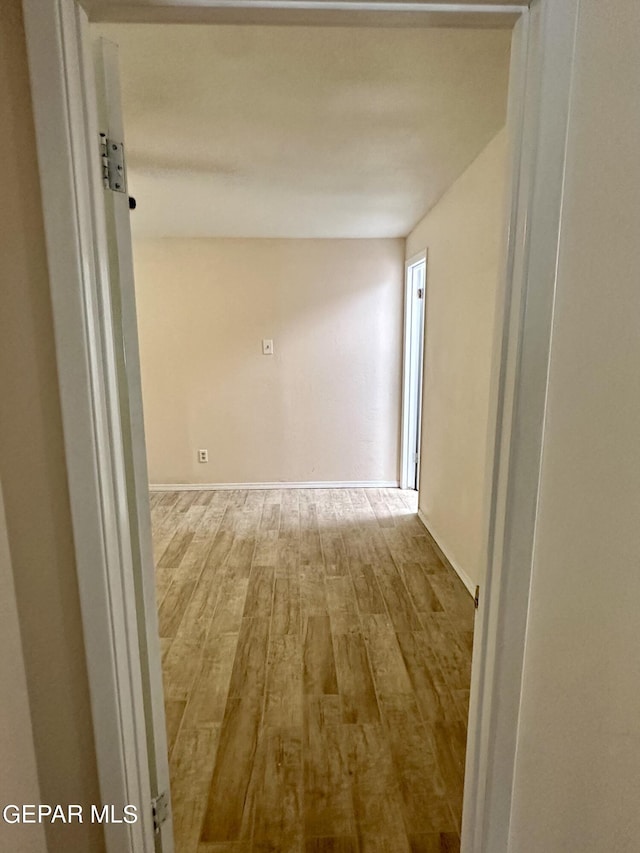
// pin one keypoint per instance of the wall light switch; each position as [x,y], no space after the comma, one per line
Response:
[267,347]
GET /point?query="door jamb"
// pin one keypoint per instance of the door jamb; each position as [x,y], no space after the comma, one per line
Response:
[94,447]
[61,68]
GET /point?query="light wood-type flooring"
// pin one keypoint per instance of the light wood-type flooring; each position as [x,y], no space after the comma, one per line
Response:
[316,661]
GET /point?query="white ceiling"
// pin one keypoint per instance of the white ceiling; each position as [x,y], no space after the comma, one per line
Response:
[302,131]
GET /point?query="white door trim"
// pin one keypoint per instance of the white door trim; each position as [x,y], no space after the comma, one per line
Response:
[117,248]
[538,117]
[60,68]
[414,313]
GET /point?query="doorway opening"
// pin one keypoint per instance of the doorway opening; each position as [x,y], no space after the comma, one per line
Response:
[414,325]
[291,573]
[125,702]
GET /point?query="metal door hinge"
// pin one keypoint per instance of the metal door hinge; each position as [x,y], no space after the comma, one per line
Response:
[160,810]
[476,598]
[421,293]
[416,458]
[114,173]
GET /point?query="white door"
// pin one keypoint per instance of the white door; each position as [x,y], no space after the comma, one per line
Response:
[126,353]
[415,299]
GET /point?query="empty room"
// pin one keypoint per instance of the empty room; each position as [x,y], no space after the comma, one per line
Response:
[317,219]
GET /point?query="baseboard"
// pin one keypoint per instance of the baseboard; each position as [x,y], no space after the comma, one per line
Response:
[311,484]
[464,577]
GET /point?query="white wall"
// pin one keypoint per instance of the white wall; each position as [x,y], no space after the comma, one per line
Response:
[325,407]
[577,779]
[463,235]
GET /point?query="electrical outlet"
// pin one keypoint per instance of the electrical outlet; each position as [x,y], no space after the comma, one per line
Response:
[267,347]
[203,456]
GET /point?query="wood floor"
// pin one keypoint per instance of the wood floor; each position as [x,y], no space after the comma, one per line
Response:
[316,660]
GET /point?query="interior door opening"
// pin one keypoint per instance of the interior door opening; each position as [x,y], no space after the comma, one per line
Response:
[414,330]
[262,617]
[63,98]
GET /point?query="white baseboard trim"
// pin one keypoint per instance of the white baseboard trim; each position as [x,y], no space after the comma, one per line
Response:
[464,577]
[311,484]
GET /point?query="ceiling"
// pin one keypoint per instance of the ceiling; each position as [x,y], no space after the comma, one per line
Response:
[261,131]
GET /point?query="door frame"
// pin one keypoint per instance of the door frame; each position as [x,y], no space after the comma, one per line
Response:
[538,116]
[414,333]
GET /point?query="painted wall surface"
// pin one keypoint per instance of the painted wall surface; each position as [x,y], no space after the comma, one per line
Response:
[19,777]
[463,235]
[577,785]
[33,476]
[324,407]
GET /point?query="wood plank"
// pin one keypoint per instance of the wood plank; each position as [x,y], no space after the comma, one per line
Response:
[318,661]
[333,551]
[367,591]
[417,581]
[203,497]
[313,597]
[359,703]
[341,603]
[173,713]
[384,515]
[288,556]
[208,695]
[255,499]
[387,664]
[180,668]
[449,741]
[240,555]
[270,521]
[195,557]
[328,804]
[227,617]
[187,501]
[278,791]
[376,799]
[266,552]
[289,515]
[286,606]
[435,842]
[331,845]
[430,691]
[310,545]
[401,610]
[259,600]
[249,672]
[173,606]
[238,497]
[404,546]
[163,582]
[168,499]
[190,769]
[225,818]
[422,788]
[220,549]
[198,614]
[450,651]
[284,696]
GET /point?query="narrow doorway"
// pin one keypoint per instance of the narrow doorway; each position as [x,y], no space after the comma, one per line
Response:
[302,613]
[414,324]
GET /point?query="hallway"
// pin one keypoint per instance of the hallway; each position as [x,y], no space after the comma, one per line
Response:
[316,661]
